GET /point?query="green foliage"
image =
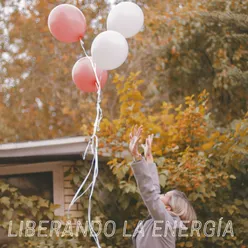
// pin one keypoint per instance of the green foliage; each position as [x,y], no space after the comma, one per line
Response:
[16,208]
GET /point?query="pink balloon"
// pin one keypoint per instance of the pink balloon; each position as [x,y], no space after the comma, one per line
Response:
[67,23]
[84,78]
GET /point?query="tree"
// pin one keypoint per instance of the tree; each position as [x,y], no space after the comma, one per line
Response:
[194,155]
[185,47]
[185,79]
[36,73]
[194,45]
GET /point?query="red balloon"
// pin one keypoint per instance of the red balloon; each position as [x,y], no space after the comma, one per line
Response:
[84,78]
[67,23]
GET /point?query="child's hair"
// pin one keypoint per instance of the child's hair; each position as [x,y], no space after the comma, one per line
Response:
[182,207]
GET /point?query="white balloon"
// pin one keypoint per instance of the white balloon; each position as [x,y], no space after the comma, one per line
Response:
[126,18]
[109,50]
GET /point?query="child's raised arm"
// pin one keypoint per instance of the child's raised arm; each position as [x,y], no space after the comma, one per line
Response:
[148,182]
[151,165]
[149,192]
[154,174]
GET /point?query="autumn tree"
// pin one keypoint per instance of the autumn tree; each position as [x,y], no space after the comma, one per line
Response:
[206,162]
[194,45]
[37,92]
[185,47]
[185,80]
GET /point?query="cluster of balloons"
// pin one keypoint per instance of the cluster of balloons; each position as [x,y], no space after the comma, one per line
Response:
[109,50]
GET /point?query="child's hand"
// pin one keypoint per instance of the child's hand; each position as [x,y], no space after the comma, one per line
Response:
[134,139]
[148,148]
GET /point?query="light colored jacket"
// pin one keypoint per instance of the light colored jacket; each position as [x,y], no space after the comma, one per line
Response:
[145,234]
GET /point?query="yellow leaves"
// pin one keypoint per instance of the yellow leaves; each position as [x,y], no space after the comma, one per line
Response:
[120,169]
[158,152]
[117,78]
[4,187]
[189,99]
[238,202]
[43,203]
[181,244]
[223,138]
[152,119]
[185,244]
[203,97]
[135,96]
[208,146]
[237,128]
[112,162]
[178,108]
[189,244]
[8,213]
[183,136]
[5,201]
[54,207]
[215,135]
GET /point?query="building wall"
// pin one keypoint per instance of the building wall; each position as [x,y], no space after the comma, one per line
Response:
[76,211]
[69,192]
[63,190]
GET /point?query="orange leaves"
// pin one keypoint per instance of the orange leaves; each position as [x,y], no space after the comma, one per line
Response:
[190,125]
[188,171]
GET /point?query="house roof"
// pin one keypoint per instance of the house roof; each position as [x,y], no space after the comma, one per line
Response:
[68,148]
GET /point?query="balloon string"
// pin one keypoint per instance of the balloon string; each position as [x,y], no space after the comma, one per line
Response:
[75,198]
[93,142]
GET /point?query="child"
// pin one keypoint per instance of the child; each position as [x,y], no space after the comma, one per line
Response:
[168,210]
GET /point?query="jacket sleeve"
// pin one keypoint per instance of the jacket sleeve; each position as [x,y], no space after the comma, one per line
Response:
[155,178]
[148,191]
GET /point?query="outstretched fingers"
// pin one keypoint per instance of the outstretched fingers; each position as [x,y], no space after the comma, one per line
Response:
[136,131]
[150,139]
[140,130]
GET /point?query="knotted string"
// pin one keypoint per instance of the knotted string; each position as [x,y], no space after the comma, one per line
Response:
[93,142]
